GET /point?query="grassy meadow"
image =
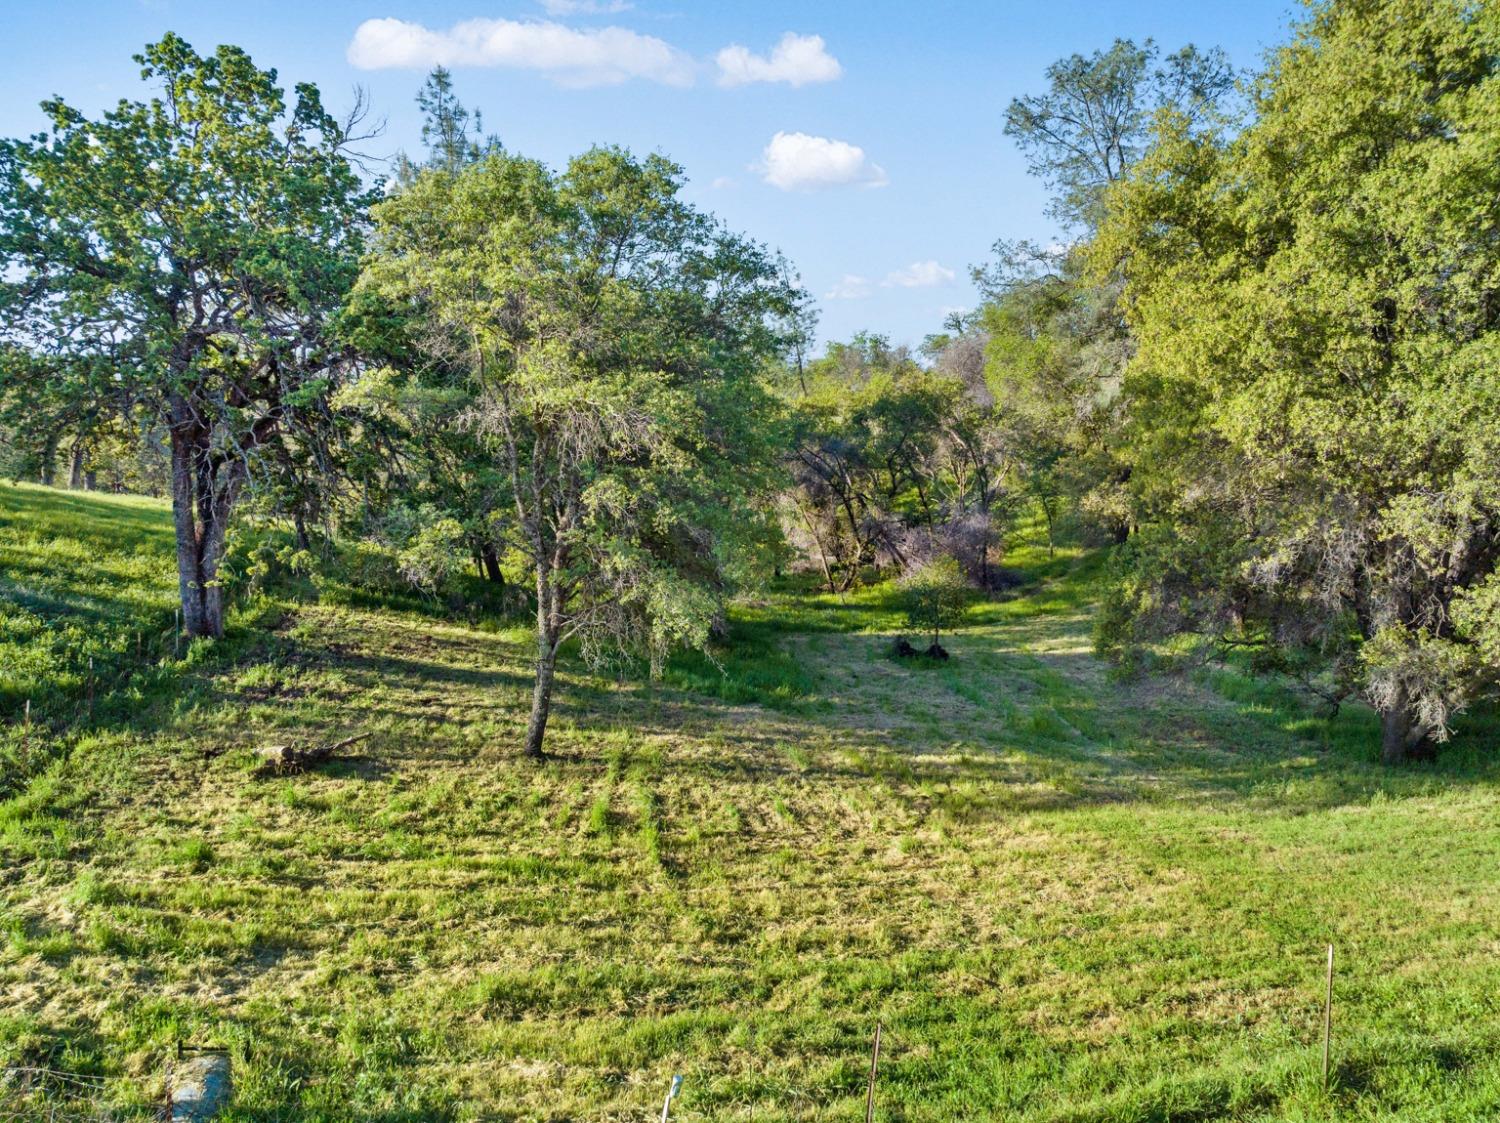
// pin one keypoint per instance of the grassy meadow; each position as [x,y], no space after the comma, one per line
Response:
[1068,897]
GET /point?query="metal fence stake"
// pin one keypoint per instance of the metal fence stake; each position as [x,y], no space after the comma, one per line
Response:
[666,1108]
[1327,1017]
[25,753]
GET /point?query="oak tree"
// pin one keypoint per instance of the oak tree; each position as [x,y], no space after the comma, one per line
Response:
[615,339]
[208,234]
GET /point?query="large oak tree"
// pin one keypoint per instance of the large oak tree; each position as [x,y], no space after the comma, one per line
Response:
[208,233]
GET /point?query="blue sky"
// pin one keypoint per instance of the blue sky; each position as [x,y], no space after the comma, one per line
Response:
[891,174]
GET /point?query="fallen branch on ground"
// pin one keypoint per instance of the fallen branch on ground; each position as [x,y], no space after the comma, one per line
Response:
[291,758]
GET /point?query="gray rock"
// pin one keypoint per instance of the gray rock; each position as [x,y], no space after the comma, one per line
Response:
[200,1088]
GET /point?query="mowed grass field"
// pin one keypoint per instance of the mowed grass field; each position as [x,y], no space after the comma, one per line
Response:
[1067,897]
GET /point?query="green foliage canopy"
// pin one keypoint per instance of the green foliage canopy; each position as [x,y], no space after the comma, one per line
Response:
[935,596]
[184,254]
[616,338]
[1315,399]
[1094,120]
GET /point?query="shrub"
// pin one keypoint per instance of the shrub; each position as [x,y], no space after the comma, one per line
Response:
[935,596]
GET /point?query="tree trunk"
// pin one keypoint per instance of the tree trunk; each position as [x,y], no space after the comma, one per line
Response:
[490,560]
[548,637]
[1394,725]
[1399,733]
[192,582]
[49,460]
[204,490]
[75,468]
[541,696]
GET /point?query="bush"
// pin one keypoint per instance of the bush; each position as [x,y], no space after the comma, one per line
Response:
[935,596]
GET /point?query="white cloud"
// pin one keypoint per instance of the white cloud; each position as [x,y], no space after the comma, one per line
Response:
[570,57]
[798,162]
[796,60]
[585,7]
[721,182]
[850,286]
[920,275]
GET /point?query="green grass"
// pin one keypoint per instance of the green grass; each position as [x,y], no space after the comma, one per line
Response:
[80,578]
[1067,897]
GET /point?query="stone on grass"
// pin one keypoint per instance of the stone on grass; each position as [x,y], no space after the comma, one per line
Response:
[200,1088]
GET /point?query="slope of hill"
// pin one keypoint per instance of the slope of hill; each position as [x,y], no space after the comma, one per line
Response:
[1066,897]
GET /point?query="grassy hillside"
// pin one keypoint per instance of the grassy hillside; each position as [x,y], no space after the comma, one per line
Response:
[1068,898]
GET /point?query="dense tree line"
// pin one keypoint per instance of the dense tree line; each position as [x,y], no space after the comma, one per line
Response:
[892,464]
[1313,297]
[1258,365]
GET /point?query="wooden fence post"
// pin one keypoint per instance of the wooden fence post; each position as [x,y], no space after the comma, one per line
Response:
[870,1087]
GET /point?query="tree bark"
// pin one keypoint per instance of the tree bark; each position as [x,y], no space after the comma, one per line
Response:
[541,695]
[1393,730]
[189,576]
[548,638]
[75,468]
[204,490]
[490,560]
[49,460]
[1399,733]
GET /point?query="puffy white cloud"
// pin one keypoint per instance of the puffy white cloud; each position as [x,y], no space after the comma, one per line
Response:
[920,275]
[721,182]
[798,162]
[796,60]
[569,56]
[585,7]
[850,286]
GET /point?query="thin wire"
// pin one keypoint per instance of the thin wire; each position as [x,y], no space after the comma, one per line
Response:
[82,1079]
